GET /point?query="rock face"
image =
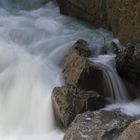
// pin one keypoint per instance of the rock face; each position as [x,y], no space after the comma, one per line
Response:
[68,101]
[99,125]
[121,16]
[93,11]
[128,63]
[124,17]
[132,132]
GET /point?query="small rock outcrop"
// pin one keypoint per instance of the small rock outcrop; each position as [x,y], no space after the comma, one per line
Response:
[132,132]
[98,125]
[68,101]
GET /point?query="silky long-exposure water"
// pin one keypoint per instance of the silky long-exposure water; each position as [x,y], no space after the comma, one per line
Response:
[33,39]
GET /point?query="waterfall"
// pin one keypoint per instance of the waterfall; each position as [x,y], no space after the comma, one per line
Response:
[106,63]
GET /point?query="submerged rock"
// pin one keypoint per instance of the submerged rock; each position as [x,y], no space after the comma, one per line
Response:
[68,101]
[99,125]
[132,132]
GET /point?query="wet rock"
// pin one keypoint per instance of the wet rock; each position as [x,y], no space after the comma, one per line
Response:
[78,71]
[80,48]
[68,101]
[99,125]
[132,132]
[93,11]
[128,63]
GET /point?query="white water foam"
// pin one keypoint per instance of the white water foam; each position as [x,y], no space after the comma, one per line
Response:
[131,108]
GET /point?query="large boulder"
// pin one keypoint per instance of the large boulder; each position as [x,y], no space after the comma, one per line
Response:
[124,17]
[68,101]
[76,66]
[99,125]
[93,11]
[78,71]
[132,132]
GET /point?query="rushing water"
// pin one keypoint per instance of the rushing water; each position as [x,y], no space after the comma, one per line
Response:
[106,63]
[33,39]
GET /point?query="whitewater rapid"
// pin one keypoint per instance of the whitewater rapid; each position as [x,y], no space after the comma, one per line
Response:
[33,39]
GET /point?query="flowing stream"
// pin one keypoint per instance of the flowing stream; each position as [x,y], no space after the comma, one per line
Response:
[33,39]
